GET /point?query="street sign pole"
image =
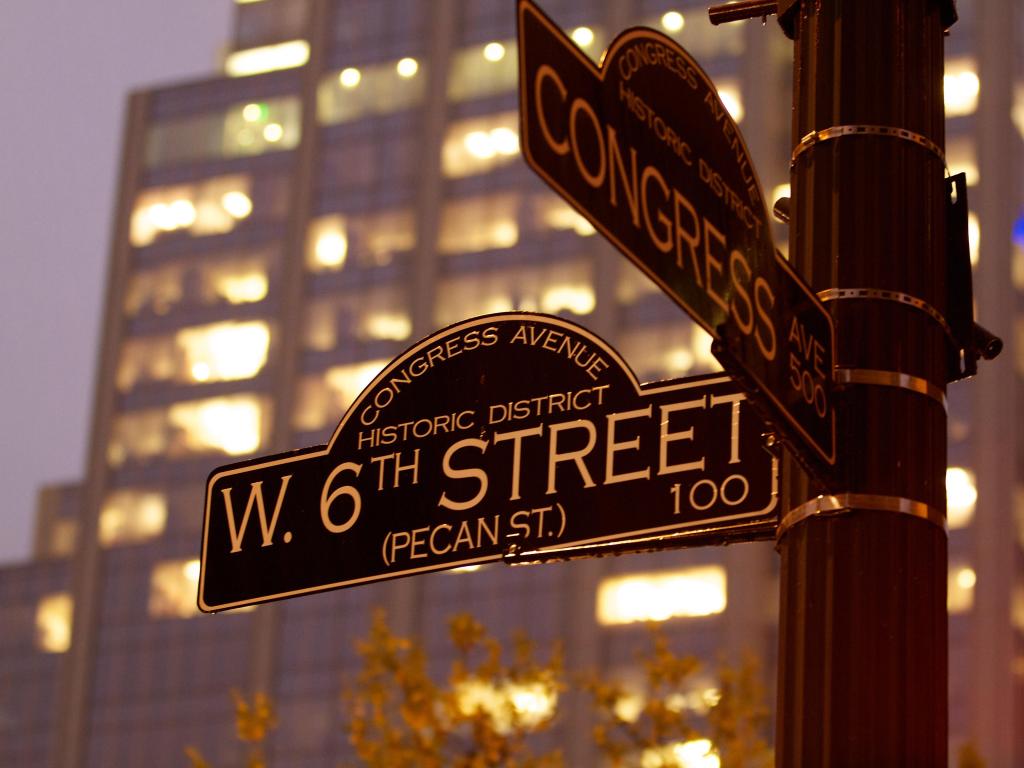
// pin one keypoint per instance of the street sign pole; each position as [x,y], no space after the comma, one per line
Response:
[863,626]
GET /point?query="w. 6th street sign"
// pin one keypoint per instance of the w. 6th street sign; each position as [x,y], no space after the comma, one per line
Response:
[502,433]
[647,152]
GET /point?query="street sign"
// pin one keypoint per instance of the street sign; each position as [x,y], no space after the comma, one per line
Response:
[645,149]
[506,432]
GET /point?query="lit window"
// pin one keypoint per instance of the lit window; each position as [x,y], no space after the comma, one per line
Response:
[973,237]
[60,538]
[729,93]
[480,144]
[672,21]
[552,212]
[407,67]
[378,313]
[696,753]
[373,239]
[131,516]
[472,75]
[322,400]
[267,58]
[349,77]
[494,52]
[960,588]
[233,425]
[236,282]
[960,87]
[173,589]
[54,615]
[558,287]
[479,224]
[778,192]
[1017,110]
[379,89]
[582,36]
[698,591]
[208,208]
[961,496]
[666,351]
[224,351]
[960,156]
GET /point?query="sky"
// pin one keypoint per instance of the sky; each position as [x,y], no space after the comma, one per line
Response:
[66,68]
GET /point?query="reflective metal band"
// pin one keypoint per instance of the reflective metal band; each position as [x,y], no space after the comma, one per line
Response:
[836,131]
[880,294]
[891,379]
[841,503]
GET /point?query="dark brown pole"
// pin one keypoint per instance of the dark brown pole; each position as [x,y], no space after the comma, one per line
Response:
[863,637]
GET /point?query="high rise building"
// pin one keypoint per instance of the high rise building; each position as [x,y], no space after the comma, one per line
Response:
[349,184]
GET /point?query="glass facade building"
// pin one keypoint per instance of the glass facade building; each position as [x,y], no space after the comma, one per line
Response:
[349,184]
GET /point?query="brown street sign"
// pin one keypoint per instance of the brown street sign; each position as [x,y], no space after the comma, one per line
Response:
[504,432]
[645,149]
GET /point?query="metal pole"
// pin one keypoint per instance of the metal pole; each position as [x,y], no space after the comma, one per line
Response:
[863,628]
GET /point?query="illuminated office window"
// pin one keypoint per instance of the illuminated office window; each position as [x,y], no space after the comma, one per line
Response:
[257,127]
[690,27]
[668,351]
[960,588]
[323,399]
[480,144]
[220,352]
[974,237]
[552,288]
[632,285]
[961,157]
[378,89]
[960,86]
[239,281]
[961,497]
[247,128]
[1017,110]
[659,596]
[729,93]
[156,290]
[224,351]
[129,516]
[479,223]
[173,588]
[54,614]
[550,211]
[233,425]
[159,290]
[372,239]
[483,70]
[211,207]
[379,313]
[60,538]
[267,58]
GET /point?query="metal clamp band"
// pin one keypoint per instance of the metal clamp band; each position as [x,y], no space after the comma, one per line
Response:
[836,131]
[841,503]
[891,379]
[881,294]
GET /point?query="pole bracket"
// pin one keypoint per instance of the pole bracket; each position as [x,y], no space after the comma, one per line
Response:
[844,503]
[883,294]
[891,379]
[837,131]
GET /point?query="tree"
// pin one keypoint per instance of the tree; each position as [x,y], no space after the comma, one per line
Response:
[482,718]
[489,712]
[253,723]
[668,725]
